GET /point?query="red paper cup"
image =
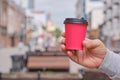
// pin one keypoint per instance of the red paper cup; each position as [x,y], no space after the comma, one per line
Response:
[75,33]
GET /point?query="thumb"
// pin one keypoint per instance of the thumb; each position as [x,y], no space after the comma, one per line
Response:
[91,44]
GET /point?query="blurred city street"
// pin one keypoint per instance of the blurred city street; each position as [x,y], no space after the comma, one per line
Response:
[30,37]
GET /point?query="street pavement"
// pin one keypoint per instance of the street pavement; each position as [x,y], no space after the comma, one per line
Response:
[5,57]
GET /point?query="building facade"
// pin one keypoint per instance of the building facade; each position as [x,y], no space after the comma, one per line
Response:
[11,19]
[111,28]
[3,22]
[84,7]
[95,22]
[80,8]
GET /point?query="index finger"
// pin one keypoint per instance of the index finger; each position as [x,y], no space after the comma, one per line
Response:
[63,34]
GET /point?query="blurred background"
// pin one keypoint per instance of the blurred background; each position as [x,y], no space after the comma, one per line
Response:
[30,35]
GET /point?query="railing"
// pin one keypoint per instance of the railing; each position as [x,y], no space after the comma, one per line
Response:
[39,76]
[89,75]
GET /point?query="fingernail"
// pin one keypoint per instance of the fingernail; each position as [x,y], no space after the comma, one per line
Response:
[84,42]
[68,52]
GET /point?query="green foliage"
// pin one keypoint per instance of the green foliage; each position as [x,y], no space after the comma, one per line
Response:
[57,33]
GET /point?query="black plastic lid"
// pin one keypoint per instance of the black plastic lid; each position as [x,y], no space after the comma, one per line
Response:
[75,20]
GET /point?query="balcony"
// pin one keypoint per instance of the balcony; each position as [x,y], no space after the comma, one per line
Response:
[109,3]
[115,10]
[116,1]
[115,23]
[108,15]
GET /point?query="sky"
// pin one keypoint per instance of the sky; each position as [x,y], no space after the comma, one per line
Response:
[59,9]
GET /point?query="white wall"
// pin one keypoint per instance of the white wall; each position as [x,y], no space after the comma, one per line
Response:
[97,18]
[90,5]
[40,18]
[22,3]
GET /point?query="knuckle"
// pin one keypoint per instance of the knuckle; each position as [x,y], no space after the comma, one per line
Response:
[97,40]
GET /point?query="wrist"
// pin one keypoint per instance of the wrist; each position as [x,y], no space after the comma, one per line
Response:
[109,63]
[103,55]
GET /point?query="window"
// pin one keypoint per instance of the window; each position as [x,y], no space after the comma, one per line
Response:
[31,4]
[0,10]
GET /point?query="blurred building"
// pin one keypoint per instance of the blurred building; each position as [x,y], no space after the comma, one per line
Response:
[84,7]
[93,4]
[111,27]
[96,19]
[37,23]
[50,29]
[80,8]
[11,19]
[31,4]
[3,23]
[50,26]
[39,16]
[26,4]
[17,24]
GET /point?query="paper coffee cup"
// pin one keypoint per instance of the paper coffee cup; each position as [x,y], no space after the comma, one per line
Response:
[75,33]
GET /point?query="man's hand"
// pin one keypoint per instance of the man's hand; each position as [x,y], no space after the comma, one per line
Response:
[91,56]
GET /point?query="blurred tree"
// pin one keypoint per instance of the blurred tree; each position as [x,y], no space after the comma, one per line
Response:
[57,33]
